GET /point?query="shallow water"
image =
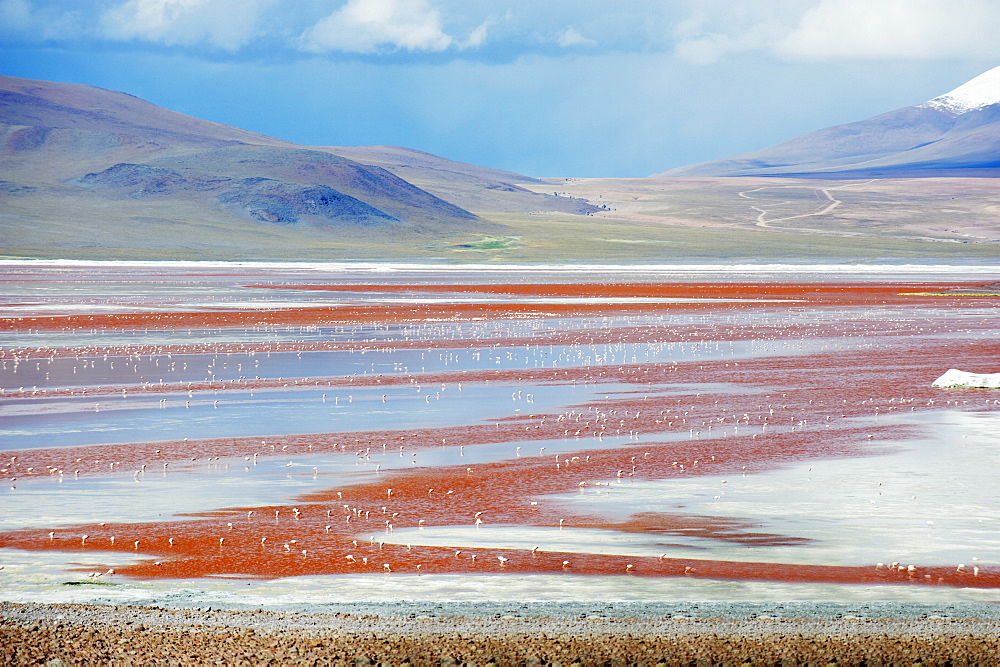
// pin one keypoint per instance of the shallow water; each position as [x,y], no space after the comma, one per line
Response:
[86,371]
[928,499]
[931,501]
[164,494]
[34,577]
[76,421]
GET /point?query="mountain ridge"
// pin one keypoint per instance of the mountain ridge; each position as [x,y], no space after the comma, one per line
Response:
[68,106]
[73,150]
[958,132]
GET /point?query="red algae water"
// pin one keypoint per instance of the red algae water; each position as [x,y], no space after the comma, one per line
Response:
[324,433]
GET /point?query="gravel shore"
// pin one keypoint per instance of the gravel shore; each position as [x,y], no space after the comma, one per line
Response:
[66,634]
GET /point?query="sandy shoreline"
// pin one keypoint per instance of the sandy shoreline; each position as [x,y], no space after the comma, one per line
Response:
[87,634]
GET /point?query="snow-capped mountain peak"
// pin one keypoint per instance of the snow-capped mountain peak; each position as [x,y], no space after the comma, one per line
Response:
[981,91]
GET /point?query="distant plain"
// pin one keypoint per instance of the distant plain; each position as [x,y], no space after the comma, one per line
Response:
[946,220]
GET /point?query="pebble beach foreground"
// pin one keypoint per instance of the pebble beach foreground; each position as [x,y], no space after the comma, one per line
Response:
[67,634]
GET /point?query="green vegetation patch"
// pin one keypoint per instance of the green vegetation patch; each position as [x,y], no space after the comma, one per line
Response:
[89,582]
[490,243]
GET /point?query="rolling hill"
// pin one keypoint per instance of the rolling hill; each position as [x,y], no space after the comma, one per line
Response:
[479,189]
[93,167]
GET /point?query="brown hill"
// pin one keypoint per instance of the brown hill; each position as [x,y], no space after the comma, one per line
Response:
[84,167]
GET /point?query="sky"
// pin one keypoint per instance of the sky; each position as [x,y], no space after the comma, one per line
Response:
[575,88]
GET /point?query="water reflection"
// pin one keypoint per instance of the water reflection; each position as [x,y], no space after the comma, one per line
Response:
[928,499]
[171,368]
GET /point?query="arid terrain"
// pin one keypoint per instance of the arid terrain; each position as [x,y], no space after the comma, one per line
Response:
[95,174]
[960,210]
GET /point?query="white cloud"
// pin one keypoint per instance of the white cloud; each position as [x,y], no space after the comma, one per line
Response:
[478,36]
[889,29]
[714,29]
[839,29]
[373,26]
[570,37]
[695,32]
[224,24]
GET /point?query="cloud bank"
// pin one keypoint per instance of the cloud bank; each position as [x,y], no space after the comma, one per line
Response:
[888,29]
[216,23]
[558,87]
[698,32]
[370,26]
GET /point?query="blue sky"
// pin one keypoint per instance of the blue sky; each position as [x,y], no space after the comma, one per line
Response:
[543,87]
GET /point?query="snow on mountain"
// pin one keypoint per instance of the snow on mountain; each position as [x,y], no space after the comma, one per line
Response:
[977,93]
[955,134]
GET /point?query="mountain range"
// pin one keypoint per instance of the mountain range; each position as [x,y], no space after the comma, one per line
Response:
[92,173]
[955,134]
